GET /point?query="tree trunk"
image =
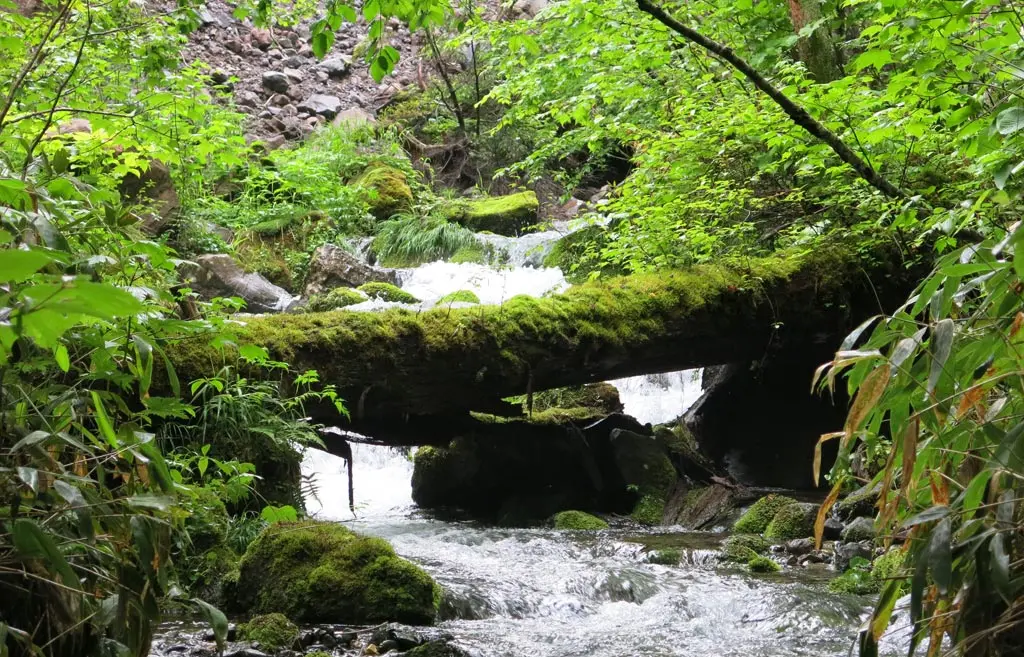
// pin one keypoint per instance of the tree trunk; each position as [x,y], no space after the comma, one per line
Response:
[816,49]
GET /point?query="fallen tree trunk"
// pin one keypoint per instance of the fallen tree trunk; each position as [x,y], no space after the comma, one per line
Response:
[395,365]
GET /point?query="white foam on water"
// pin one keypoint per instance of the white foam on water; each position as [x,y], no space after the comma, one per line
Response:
[492,285]
[659,398]
[382,478]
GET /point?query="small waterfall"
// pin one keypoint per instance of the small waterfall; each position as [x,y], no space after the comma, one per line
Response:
[659,398]
[381,475]
[492,285]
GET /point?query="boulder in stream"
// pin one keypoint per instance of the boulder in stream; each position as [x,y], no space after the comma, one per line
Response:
[504,215]
[332,267]
[321,572]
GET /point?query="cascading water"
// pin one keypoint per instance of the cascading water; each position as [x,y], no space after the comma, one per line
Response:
[537,592]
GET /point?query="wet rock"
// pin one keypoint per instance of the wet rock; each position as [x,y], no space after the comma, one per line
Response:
[847,552]
[154,190]
[318,636]
[799,546]
[294,75]
[388,646]
[815,556]
[321,104]
[860,503]
[246,652]
[275,81]
[336,67]
[833,529]
[279,100]
[792,521]
[208,635]
[218,275]
[275,54]
[859,529]
[332,267]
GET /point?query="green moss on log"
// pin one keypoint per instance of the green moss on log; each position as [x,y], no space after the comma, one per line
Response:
[578,521]
[459,296]
[387,292]
[457,359]
[756,519]
[320,572]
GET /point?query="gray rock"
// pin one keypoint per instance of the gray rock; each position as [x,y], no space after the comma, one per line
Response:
[295,61]
[218,275]
[833,529]
[336,67]
[799,546]
[153,191]
[294,74]
[332,266]
[532,7]
[326,106]
[248,99]
[847,552]
[279,100]
[275,81]
[387,646]
[859,529]
[275,53]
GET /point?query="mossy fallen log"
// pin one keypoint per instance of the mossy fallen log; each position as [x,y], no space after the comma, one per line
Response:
[392,365]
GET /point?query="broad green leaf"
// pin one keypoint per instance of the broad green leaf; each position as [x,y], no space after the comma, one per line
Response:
[217,620]
[60,354]
[1010,120]
[940,555]
[32,542]
[17,265]
[103,421]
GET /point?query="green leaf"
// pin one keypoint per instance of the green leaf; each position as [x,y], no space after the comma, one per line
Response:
[941,343]
[1010,121]
[103,421]
[276,514]
[217,620]
[875,58]
[17,265]
[940,555]
[60,354]
[32,542]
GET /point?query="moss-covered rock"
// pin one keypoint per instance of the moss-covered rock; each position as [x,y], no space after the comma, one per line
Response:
[649,510]
[792,521]
[668,557]
[319,572]
[602,397]
[760,564]
[890,566]
[335,299]
[741,548]
[756,519]
[388,191]
[578,521]
[504,215]
[271,631]
[644,466]
[459,296]
[387,292]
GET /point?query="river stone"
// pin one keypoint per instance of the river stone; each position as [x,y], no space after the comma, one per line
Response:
[860,529]
[799,546]
[847,552]
[219,275]
[275,81]
[321,104]
[333,267]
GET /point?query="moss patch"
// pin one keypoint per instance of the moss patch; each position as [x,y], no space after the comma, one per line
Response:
[319,572]
[763,565]
[649,510]
[578,521]
[335,299]
[459,296]
[756,519]
[388,191]
[271,631]
[792,521]
[741,548]
[504,215]
[387,292]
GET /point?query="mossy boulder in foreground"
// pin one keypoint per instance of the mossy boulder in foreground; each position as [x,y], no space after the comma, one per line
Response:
[792,521]
[388,191]
[319,572]
[756,519]
[578,520]
[504,215]
[271,631]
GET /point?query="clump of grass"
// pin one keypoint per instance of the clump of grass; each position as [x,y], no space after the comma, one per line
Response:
[409,240]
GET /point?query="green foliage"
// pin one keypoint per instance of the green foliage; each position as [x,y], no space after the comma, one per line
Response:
[322,572]
[387,292]
[756,519]
[411,240]
[459,296]
[758,564]
[272,631]
[578,521]
[857,579]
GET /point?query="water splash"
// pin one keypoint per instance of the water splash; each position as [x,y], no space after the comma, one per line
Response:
[492,285]
[659,398]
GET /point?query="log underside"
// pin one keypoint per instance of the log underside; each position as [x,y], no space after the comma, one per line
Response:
[413,377]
